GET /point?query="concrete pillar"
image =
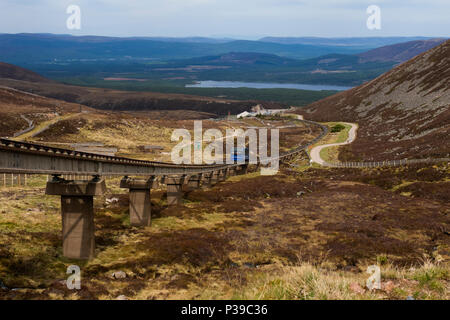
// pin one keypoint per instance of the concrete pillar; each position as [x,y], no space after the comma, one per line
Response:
[194,182]
[140,205]
[242,169]
[206,180]
[214,178]
[2,179]
[174,190]
[21,180]
[222,175]
[77,209]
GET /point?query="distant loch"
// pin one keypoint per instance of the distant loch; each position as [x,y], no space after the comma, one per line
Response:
[264,85]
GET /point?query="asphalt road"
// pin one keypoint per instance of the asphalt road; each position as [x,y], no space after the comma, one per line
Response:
[315,152]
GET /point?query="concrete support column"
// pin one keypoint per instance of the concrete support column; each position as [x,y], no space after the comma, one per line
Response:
[77,210]
[12,178]
[206,180]
[214,178]
[174,190]
[21,180]
[222,175]
[2,179]
[140,204]
[194,182]
[243,169]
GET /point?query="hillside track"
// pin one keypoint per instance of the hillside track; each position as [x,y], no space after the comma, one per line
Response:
[315,152]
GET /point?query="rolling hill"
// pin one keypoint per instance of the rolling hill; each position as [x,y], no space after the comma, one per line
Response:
[17,73]
[15,48]
[362,42]
[78,60]
[106,99]
[19,109]
[399,52]
[404,113]
[333,69]
[117,100]
[238,58]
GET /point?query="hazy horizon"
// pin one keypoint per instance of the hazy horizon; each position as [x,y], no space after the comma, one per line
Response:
[236,37]
[228,19]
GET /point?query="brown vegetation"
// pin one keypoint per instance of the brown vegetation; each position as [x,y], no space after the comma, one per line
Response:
[247,235]
[404,113]
[14,104]
[10,71]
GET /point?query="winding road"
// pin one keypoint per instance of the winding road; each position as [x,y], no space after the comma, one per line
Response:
[315,152]
[33,130]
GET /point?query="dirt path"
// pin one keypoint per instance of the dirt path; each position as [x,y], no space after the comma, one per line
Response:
[30,127]
[43,126]
[315,152]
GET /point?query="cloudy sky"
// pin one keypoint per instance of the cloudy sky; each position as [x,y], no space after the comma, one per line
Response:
[228,18]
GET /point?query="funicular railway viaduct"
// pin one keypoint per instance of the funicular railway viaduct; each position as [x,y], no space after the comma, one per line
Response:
[77,196]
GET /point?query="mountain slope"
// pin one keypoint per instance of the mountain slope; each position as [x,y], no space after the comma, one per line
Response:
[10,71]
[368,42]
[19,108]
[400,52]
[405,113]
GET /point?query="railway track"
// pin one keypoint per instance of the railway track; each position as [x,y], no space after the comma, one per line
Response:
[31,158]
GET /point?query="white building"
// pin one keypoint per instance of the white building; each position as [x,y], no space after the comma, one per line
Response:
[259,112]
[244,114]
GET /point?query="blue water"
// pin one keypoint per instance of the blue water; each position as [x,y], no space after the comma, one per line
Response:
[264,85]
